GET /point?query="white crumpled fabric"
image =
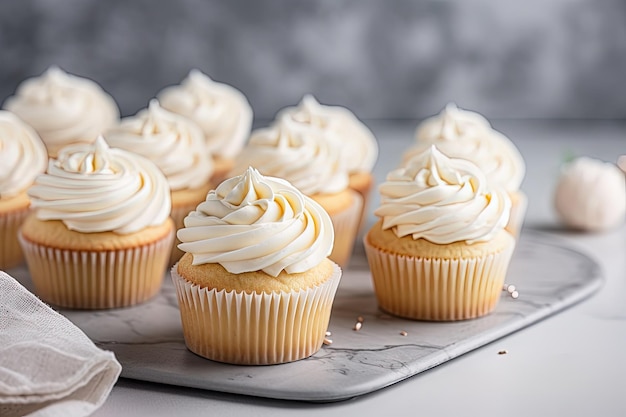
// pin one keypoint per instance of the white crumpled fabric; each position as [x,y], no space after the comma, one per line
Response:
[48,366]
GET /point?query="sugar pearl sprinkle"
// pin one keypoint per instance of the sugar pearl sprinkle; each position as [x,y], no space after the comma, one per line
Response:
[358,324]
[511,290]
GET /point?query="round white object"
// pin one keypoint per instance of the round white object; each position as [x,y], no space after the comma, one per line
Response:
[591,195]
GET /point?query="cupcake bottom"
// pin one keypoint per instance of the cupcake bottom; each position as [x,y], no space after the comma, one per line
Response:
[184,201]
[95,270]
[13,211]
[344,209]
[255,328]
[362,183]
[518,212]
[447,283]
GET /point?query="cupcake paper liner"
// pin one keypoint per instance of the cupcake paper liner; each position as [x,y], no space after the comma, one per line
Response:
[518,212]
[97,279]
[437,289]
[346,226]
[10,251]
[255,329]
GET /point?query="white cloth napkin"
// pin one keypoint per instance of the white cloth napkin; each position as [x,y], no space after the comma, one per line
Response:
[48,366]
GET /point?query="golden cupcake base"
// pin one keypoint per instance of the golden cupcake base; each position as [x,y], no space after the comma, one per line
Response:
[98,279]
[253,328]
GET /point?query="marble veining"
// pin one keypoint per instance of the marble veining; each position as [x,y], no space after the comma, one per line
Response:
[148,341]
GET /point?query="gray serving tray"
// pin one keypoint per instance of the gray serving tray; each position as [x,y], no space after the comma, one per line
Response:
[148,340]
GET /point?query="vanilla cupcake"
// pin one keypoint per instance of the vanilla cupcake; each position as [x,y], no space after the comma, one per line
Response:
[468,135]
[22,157]
[255,286]
[221,111]
[307,158]
[360,149]
[63,108]
[440,251]
[176,145]
[101,233]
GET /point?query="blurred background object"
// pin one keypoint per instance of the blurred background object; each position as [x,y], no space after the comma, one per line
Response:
[400,59]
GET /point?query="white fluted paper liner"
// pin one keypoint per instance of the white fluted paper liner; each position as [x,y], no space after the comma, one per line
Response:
[437,289]
[518,212]
[346,225]
[10,251]
[97,279]
[255,329]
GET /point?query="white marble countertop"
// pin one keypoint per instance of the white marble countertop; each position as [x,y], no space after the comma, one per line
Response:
[568,364]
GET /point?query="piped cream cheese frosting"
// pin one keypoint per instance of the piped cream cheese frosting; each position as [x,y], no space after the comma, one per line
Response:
[173,142]
[222,112]
[360,146]
[94,188]
[468,135]
[23,155]
[442,200]
[299,154]
[63,108]
[256,223]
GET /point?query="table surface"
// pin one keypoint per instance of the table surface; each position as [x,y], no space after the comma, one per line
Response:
[568,364]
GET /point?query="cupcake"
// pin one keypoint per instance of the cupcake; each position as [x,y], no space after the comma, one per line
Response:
[440,250]
[360,149]
[307,158]
[468,135]
[22,157]
[255,286]
[63,108]
[176,145]
[101,232]
[221,111]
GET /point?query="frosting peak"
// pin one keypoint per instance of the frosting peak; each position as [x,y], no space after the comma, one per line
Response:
[63,108]
[93,188]
[23,155]
[171,141]
[442,200]
[221,111]
[468,135]
[302,155]
[253,223]
[360,149]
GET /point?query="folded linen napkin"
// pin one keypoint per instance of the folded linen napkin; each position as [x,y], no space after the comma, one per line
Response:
[48,366]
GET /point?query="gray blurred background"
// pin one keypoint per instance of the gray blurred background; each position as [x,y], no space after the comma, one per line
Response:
[382,59]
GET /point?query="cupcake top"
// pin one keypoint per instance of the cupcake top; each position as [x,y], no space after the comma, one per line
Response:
[464,134]
[23,155]
[303,156]
[63,108]
[361,148]
[171,141]
[94,188]
[222,112]
[442,200]
[256,223]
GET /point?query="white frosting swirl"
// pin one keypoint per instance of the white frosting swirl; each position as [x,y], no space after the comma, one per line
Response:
[468,135]
[93,188]
[222,112]
[442,200]
[360,146]
[23,155]
[255,223]
[169,140]
[63,108]
[302,155]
